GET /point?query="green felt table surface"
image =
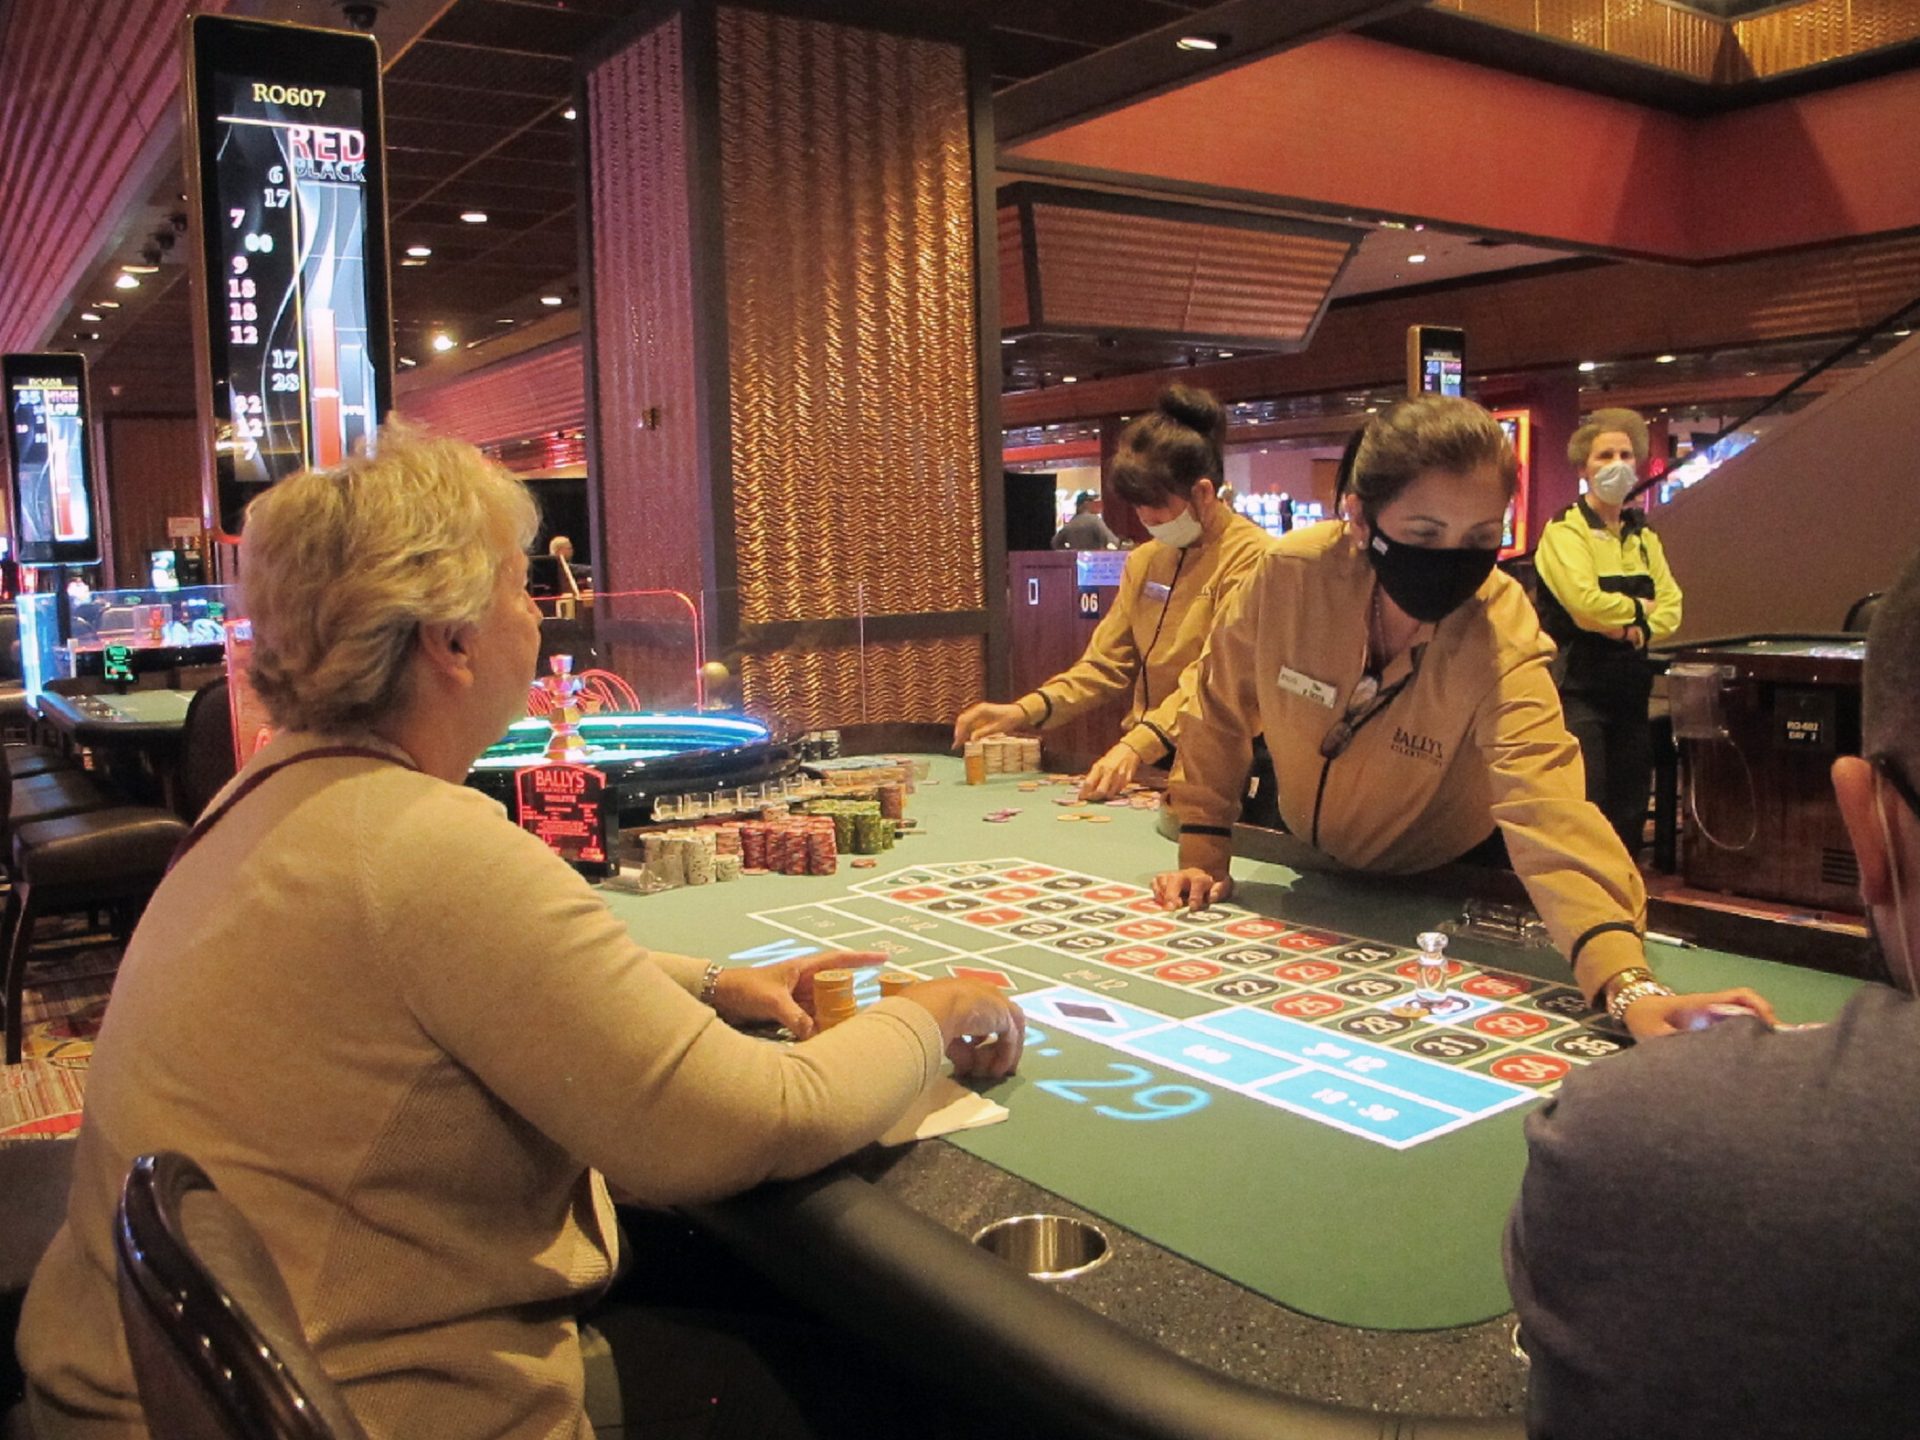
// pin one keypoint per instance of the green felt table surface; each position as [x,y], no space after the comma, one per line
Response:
[1328,1223]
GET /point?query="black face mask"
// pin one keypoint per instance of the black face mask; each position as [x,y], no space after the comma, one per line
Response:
[1428,584]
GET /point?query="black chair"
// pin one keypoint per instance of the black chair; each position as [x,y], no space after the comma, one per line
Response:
[218,1349]
[206,750]
[1860,613]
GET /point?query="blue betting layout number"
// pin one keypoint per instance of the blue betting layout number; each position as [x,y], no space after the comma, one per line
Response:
[1153,1100]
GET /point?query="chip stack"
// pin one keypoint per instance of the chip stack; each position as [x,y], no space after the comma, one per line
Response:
[1030,754]
[893,800]
[726,867]
[823,849]
[976,758]
[698,849]
[672,862]
[753,845]
[833,997]
[892,982]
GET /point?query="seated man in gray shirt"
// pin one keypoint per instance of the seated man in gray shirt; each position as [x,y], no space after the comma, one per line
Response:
[1719,1234]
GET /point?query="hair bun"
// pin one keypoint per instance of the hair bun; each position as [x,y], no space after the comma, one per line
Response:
[1195,409]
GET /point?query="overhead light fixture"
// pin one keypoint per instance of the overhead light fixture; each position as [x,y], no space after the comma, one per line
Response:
[89,315]
[1009,340]
[1069,379]
[419,252]
[408,361]
[552,300]
[139,269]
[126,282]
[1202,43]
[1664,359]
[569,113]
[474,217]
[444,341]
[1226,354]
[1587,367]
[1901,334]
[1416,259]
[106,304]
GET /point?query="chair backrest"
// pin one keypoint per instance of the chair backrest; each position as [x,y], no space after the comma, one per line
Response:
[206,749]
[1860,613]
[218,1350]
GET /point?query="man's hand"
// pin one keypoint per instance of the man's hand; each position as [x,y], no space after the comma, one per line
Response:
[1673,1014]
[1111,773]
[983,717]
[1192,887]
[783,993]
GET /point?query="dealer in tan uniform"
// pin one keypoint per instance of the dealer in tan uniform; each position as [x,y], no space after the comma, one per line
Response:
[1401,683]
[1169,464]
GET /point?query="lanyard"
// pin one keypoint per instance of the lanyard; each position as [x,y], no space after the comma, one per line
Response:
[259,777]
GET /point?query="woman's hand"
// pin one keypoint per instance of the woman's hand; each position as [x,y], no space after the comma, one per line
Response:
[982,1029]
[1674,1014]
[1111,773]
[1192,887]
[782,993]
[983,717]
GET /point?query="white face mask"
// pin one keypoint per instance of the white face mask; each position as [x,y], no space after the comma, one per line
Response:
[1613,482]
[1179,532]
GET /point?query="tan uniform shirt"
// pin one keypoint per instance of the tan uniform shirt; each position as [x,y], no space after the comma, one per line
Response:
[1146,645]
[1474,740]
[407,1040]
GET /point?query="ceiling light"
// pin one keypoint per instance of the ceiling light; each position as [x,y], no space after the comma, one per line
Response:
[411,264]
[1416,259]
[419,252]
[1200,42]
[474,217]
[552,300]
[1226,354]
[138,269]
[444,341]
[569,113]
[89,315]
[127,282]
[1587,367]
[1009,340]
[106,304]
[1664,359]
[1901,334]
[408,361]
[1069,379]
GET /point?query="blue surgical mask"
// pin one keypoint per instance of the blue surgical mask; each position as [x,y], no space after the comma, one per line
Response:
[1614,482]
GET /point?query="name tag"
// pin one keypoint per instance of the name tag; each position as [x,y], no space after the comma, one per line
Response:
[1306,687]
[1154,590]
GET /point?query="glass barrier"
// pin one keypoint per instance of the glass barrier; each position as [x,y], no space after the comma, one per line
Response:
[117,636]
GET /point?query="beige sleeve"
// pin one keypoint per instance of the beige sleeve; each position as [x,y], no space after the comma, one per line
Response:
[1216,734]
[1109,669]
[1200,622]
[519,971]
[1574,867]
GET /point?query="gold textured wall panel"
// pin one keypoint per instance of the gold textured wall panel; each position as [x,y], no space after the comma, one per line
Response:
[1703,47]
[847,181]
[926,681]
[1141,272]
[1013,290]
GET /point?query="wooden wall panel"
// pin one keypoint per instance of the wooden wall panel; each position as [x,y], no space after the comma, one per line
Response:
[153,471]
[532,394]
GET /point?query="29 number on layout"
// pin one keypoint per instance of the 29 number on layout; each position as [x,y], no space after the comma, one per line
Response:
[1151,1101]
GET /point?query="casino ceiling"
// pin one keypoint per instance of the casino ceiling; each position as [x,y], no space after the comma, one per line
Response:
[479,93]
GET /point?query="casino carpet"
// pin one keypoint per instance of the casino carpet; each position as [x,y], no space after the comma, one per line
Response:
[40,1098]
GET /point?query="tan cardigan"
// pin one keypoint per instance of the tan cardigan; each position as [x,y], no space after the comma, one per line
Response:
[1475,740]
[397,1032]
[1146,645]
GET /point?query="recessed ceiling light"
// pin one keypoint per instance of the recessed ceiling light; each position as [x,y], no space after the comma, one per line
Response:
[1901,334]
[1416,259]
[503,322]
[88,315]
[1587,367]
[411,264]
[1664,359]
[569,113]
[474,217]
[1009,340]
[419,252]
[106,304]
[1069,379]
[444,341]
[552,300]
[1226,354]
[139,269]
[408,361]
[1200,42]
[93,334]
[127,282]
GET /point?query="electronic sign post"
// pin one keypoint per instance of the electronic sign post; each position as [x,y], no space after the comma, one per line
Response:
[56,503]
[1436,360]
[289,198]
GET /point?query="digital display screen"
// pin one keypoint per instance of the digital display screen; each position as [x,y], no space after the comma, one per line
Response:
[292,209]
[48,444]
[1440,374]
[1436,360]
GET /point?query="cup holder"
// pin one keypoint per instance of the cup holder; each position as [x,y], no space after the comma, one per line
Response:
[1047,1247]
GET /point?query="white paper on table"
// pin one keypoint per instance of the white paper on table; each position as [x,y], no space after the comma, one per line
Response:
[945,1107]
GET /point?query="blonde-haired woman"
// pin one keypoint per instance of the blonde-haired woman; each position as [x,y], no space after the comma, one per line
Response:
[403,1036]
[1606,594]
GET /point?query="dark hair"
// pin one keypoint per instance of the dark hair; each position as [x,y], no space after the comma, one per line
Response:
[1343,473]
[1429,432]
[1163,454]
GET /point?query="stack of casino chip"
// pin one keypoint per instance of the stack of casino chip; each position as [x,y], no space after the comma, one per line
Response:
[753,845]
[892,982]
[698,850]
[726,867]
[833,997]
[893,800]
[823,848]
